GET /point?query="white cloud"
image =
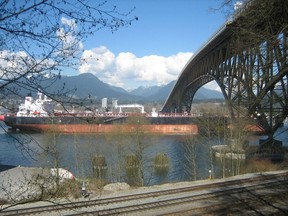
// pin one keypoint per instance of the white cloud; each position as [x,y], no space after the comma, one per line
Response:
[69,22]
[68,35]
[125,64]
[97,60]
[16,64]
[129,71]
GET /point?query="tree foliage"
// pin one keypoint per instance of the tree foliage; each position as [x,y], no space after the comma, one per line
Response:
[40,39]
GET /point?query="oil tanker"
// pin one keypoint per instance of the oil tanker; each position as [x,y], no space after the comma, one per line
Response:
[39,116]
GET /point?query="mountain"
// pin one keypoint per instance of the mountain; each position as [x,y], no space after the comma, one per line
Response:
[163,93]
[207,94]
[145,91]
[160,93]
[87,85]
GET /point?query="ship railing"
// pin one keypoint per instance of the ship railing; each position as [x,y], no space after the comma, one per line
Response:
[179,115]
[123,114]
[83,115]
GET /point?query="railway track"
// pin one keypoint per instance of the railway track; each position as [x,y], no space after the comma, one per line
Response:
[226,196]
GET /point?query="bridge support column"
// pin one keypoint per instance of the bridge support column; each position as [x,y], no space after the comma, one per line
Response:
[271,149]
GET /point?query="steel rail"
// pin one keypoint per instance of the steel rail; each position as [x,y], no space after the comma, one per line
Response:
[210,195]
[105,201]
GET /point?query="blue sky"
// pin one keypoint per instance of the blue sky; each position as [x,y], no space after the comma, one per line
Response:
[154,49]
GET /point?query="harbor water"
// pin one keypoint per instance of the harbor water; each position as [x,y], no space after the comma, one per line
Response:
[187,159]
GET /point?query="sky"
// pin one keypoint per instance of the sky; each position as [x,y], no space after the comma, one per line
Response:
[154,49]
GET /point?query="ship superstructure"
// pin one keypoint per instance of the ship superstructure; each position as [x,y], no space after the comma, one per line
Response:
[41,107]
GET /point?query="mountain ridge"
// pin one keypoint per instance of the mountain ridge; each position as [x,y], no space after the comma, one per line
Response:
[89,84]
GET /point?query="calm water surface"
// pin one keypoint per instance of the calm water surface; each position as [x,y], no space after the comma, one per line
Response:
[75,153]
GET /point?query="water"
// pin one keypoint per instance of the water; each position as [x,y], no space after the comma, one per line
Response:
[75,153]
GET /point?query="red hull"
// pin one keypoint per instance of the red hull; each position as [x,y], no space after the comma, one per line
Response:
[180,129]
